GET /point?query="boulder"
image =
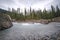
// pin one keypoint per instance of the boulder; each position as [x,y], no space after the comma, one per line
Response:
[43,21]
[5,21]
[57,19]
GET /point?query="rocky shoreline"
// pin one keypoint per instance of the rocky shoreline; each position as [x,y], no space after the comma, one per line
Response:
[42,21]
[34,21]
[6,21]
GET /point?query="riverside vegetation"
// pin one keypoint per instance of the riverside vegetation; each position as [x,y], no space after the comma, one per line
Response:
[35,15]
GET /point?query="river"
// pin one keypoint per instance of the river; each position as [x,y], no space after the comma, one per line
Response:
[29,31]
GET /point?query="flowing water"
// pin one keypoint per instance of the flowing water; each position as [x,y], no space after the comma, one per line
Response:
[29,31]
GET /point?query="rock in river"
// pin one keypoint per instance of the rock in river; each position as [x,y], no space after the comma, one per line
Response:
[5,21]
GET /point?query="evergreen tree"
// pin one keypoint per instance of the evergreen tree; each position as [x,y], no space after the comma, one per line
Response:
[45,16]
[57,11]
[53,11]
[25,13]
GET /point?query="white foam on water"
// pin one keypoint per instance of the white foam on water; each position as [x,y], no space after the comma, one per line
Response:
[25,24]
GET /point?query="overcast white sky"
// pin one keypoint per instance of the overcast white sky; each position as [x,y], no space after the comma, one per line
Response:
[35,4]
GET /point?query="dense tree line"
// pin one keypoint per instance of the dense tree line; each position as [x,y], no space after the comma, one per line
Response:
[36,15]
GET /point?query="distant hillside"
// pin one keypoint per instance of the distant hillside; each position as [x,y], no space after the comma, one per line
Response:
[3,11]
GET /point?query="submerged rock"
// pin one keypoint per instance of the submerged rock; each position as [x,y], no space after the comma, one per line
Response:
[5,21]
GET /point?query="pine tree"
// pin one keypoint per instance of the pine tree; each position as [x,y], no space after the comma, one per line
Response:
[53,11]
[45,16]
[57,11]
[25,13]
